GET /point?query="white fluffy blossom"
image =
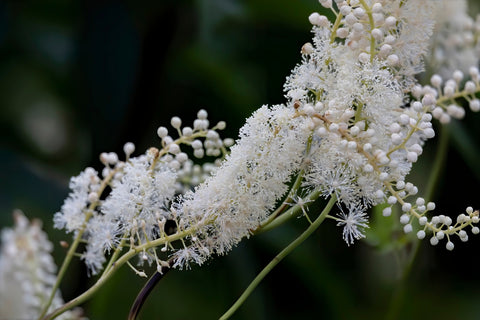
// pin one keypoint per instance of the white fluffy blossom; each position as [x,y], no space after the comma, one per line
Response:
[245,189]
[354,123]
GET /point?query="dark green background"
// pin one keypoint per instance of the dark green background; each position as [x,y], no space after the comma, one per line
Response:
[81,77]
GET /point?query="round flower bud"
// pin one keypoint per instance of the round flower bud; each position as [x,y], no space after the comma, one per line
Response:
[457,76]
[440,235]
[412,156]
[475,105]
[314,18]
[392,200]
[422,221]
[198,153]
[176,122]
[393,60]
[187,131]
[202,114]
[197,144]
[421,234]
[307,49]
[470,87]
[404,219]
[407,228]
[377,34]
[450,245]
[436,80]
[387,211]
[390,21]
[162,132]
[128,148]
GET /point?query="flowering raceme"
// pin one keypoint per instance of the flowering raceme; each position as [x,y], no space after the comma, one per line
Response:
[355,120]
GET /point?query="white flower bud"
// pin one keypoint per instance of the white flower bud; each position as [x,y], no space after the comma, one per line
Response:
[404,218]
[475,105]
[450,245]
[377,34]
[393,60]
[407,228]
[421,234]
[162,132]
[412,156]
[387,211]
[176,122]
[316,19]
[440,235]
[423,221]
[307,49]
[128,148]
[392,200]
[390,21]
[202,114]
[406,207]
[436,80]
[458,76]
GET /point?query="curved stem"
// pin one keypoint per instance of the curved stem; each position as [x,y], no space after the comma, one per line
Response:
[279,258]
[114,266]
[146,290]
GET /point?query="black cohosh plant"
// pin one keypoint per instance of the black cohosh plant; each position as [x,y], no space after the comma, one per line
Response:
[355,121]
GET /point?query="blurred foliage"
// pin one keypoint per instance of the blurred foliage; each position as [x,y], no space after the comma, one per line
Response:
[81,77]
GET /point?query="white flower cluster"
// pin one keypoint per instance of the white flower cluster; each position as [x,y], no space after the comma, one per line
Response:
[245,189]
[137,208]
[355,121]
[27,272]
[370,130]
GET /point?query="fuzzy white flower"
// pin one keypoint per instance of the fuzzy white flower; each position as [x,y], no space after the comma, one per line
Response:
[27,272]
[354,222]
[245,189]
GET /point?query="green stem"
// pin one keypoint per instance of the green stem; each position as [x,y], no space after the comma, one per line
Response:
[368,10]
[63,269]
[400,293]
[279,258]
[73,247]
[115,266]
[287,215]
[336,24]
[87,294]
[115,254]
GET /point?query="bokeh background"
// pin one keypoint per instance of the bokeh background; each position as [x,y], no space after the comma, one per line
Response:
[81,77]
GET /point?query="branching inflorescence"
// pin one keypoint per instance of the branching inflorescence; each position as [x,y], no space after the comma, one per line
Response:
[355,121]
